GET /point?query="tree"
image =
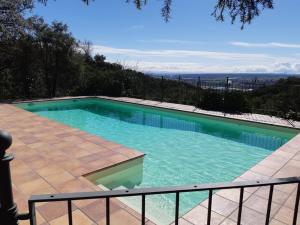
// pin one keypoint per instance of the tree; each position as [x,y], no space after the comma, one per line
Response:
[57,47]
[12,17]
[246,10]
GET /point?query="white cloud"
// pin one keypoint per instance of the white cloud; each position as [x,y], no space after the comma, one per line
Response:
[188,61]
[174,67]
[177,53]
[264,45]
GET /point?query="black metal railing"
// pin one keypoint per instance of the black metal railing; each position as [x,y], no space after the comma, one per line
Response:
[9,213]
[223,94]
[143,192]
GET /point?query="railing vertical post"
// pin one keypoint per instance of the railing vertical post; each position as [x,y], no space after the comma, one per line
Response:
[32,213]
[107,211]
[8,209]
[296,205]
[144,87]
[177,209]
[269,205]
[162,88]
[143,209]
[240,206]
[209,207]
[198,92]
[179,91]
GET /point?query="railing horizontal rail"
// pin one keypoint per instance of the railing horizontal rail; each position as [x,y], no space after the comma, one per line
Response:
[163,190]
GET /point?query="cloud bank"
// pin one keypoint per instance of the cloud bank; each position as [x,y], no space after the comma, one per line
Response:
[265,45]
[195,61]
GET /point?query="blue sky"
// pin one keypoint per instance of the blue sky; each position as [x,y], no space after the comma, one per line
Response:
[192,42]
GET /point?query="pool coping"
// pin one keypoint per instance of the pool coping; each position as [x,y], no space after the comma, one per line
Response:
[282,162]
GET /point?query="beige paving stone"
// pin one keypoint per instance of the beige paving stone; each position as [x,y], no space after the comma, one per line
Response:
[260,205]
[233,194]
[276,222]
[290,202]
[287,188]
[78,219]
[285,215]
[264,170]
[181,221]
[121,217]
[228,222]
[150,223]
[249,217]
[279,197]
[221,205]
[288,171]
[198,215]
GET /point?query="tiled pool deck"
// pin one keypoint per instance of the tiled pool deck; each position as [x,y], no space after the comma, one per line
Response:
[52,158]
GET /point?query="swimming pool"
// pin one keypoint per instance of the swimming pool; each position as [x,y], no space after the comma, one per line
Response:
[180,148]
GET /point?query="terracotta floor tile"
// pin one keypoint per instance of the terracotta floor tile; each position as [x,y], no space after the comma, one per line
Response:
[21,178]
[117,158]
[74,139]
[121,217]
[34,186]
[53,210]
[90,158]
[49,170]
[74,185]
[78,219]
[59,178]
[97,209]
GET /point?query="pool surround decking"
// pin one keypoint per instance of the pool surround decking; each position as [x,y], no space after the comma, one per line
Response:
[53,158]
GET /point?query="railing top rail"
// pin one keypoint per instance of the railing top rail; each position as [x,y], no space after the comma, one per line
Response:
[162,190]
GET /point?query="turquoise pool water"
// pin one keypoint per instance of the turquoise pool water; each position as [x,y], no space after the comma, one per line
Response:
[180,148]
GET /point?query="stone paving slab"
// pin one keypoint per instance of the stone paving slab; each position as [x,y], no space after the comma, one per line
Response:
[284,162]
[53,158]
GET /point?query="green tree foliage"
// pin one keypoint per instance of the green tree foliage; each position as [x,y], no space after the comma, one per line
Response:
[40,60]
[281,99]
[244,10]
